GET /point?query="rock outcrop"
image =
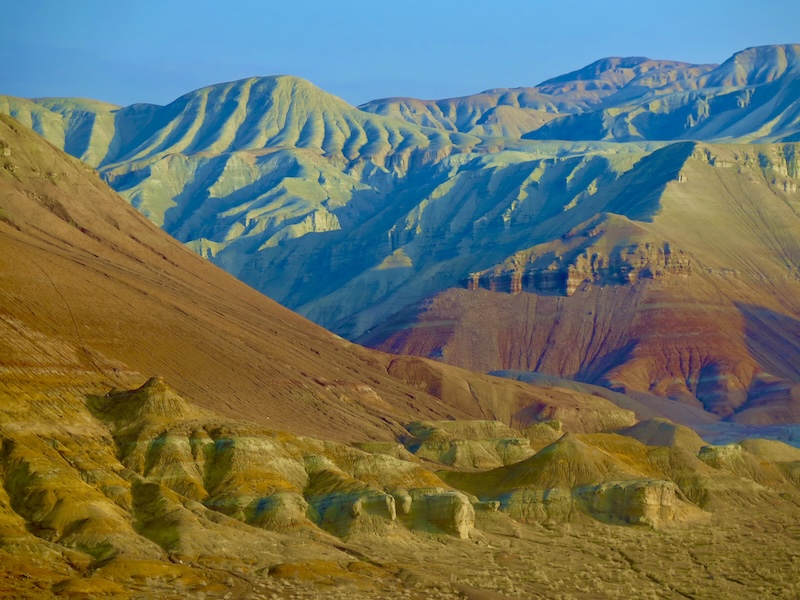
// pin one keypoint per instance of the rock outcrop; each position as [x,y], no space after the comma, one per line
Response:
[644,502]
[470,444]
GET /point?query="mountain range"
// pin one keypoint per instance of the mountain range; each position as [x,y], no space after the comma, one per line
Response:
[641,183]
[618,246]
[168,432]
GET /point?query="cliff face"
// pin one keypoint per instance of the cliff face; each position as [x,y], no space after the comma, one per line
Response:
[582,256]
[681,296]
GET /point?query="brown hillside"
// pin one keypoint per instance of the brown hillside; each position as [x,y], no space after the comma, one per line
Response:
[94,296]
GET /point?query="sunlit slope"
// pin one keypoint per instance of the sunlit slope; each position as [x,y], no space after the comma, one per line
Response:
[263,159]
[513,112]
[750,97]
[255,113]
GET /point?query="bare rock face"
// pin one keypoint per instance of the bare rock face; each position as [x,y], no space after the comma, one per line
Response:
[730,457]
[281,511]
[644,502]
[529,505]
[471,444]
[586,254]
[343,513]
[447,511]
[740,462]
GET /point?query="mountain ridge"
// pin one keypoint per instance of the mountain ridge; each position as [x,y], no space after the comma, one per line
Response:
[357,219]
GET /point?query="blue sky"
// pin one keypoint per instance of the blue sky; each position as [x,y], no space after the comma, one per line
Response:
[155,51]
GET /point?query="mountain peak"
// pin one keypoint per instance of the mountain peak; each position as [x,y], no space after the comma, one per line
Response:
[756,65]
[611,72]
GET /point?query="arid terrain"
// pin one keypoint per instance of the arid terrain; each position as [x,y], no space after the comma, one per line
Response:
[633,224]
[580,310]
[272,459]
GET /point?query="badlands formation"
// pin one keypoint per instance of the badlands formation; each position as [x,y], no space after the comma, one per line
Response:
[167,431]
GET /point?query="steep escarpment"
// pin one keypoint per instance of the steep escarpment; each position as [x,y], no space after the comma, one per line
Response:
[674,299]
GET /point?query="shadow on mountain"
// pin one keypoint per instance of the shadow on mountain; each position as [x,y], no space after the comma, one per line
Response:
[773,339]
[645,183]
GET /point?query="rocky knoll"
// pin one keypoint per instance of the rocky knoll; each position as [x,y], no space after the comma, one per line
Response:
[470,444]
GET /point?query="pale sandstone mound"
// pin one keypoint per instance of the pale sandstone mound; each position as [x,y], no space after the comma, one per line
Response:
[661,432]
[639,502]
[771,450]
[563,479]
[541,435]
[343,505]
[153,401]
[467,444]
[609,477]
[734,459]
